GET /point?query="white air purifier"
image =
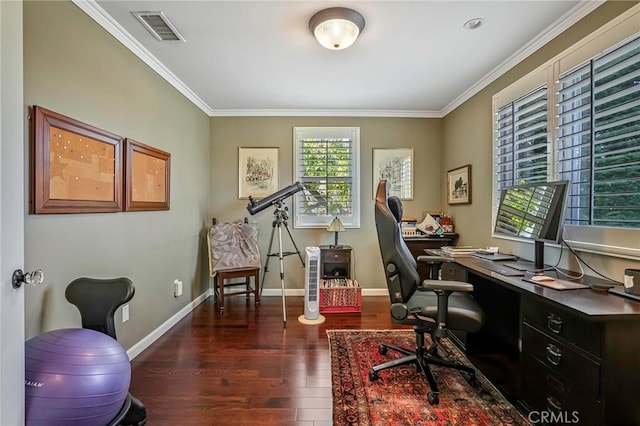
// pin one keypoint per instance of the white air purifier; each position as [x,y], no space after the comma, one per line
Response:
[312,287]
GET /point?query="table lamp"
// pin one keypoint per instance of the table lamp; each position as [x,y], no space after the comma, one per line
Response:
[336,226]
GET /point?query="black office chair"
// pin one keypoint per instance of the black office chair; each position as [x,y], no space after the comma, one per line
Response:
[97,301]
[432,306]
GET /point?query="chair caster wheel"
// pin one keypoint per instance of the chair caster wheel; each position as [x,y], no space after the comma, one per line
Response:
[382,350]
[432,398]
[373,375]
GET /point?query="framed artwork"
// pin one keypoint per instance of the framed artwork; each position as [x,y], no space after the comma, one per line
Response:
[257,172]
[396,166]
[76,168]
[147,177]
[459,185]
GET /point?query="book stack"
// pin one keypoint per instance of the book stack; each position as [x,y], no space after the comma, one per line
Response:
[339,282]
[459,251]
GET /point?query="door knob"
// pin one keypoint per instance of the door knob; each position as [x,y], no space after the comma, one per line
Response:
[34,278]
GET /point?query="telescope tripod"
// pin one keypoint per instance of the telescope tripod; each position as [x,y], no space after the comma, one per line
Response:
[280,218]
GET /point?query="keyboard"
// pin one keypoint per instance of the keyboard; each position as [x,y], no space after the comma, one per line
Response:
[499,268]
[520,265]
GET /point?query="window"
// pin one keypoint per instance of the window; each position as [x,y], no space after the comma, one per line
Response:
[521,141]
[326,162]
[589,135]
[599,138]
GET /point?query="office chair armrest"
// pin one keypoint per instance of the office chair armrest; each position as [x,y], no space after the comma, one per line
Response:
[443,290]
[447,285]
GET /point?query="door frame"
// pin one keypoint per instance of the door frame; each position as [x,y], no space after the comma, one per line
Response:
[13,131]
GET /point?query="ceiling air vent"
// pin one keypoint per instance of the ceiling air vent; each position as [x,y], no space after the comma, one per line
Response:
[159,26]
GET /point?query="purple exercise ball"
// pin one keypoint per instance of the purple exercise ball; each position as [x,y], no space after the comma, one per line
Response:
[75,376]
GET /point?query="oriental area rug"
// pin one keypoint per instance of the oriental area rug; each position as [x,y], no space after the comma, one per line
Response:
[399,396]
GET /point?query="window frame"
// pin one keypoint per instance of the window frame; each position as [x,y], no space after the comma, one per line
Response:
[620,242]
[322,221]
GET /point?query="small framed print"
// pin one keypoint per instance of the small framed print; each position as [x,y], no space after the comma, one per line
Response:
[396,166]
[257,172]
[459,185]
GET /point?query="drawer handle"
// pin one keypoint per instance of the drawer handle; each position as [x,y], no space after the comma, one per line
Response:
[553,404]
[554,354]
[554,323]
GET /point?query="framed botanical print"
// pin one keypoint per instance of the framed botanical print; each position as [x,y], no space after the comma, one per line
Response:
[459,185]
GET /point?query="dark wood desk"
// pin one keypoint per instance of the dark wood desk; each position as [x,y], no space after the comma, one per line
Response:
[575,353]
[418,245]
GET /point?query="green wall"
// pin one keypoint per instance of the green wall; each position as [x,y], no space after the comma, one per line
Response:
[468,140]
[228,134]
[74,67]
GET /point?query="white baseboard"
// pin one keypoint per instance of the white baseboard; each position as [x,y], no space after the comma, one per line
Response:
[158,332]
[300,292]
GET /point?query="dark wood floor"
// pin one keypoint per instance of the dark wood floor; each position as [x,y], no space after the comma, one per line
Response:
[243,367]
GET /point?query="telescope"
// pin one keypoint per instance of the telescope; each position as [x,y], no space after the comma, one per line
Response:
[276,198]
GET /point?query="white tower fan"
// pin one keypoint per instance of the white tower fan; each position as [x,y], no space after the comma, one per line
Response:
[312,287]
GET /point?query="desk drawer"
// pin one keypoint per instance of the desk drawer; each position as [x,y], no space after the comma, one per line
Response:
[548,394]
[564,325]
[561,359]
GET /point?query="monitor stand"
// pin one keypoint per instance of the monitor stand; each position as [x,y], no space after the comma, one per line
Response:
[538,252]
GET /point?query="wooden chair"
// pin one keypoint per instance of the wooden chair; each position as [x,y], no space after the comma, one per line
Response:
[233,253]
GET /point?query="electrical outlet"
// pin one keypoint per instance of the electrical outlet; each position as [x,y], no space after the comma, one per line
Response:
[125,313]
[177,288]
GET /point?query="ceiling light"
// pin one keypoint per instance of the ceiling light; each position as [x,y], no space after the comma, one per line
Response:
[337,27]
[473,24]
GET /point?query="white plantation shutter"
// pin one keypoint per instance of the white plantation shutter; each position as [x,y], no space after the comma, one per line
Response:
[599,138]
[521,141]
[326,163]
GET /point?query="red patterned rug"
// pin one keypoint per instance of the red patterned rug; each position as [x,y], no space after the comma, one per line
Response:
[398,397]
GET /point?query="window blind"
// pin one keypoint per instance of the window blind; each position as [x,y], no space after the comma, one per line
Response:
[325,167]
[521,141]
[325,162]
[599,138]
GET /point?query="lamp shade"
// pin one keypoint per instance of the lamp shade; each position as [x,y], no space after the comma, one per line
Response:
[336,28]
[336,226]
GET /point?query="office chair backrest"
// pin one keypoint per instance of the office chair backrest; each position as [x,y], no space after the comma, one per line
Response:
[399,264]
[98,299]
[395,205]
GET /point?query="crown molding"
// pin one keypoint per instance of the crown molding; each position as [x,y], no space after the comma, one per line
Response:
[98,14]
[91,8]
[582,9]
[323,113]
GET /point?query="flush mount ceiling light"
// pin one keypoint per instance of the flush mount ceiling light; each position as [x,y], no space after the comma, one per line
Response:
[336,28]
[473,24]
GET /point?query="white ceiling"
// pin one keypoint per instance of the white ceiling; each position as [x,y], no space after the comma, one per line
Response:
[259,57]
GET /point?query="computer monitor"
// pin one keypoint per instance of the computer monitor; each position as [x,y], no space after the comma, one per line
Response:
[534,212]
